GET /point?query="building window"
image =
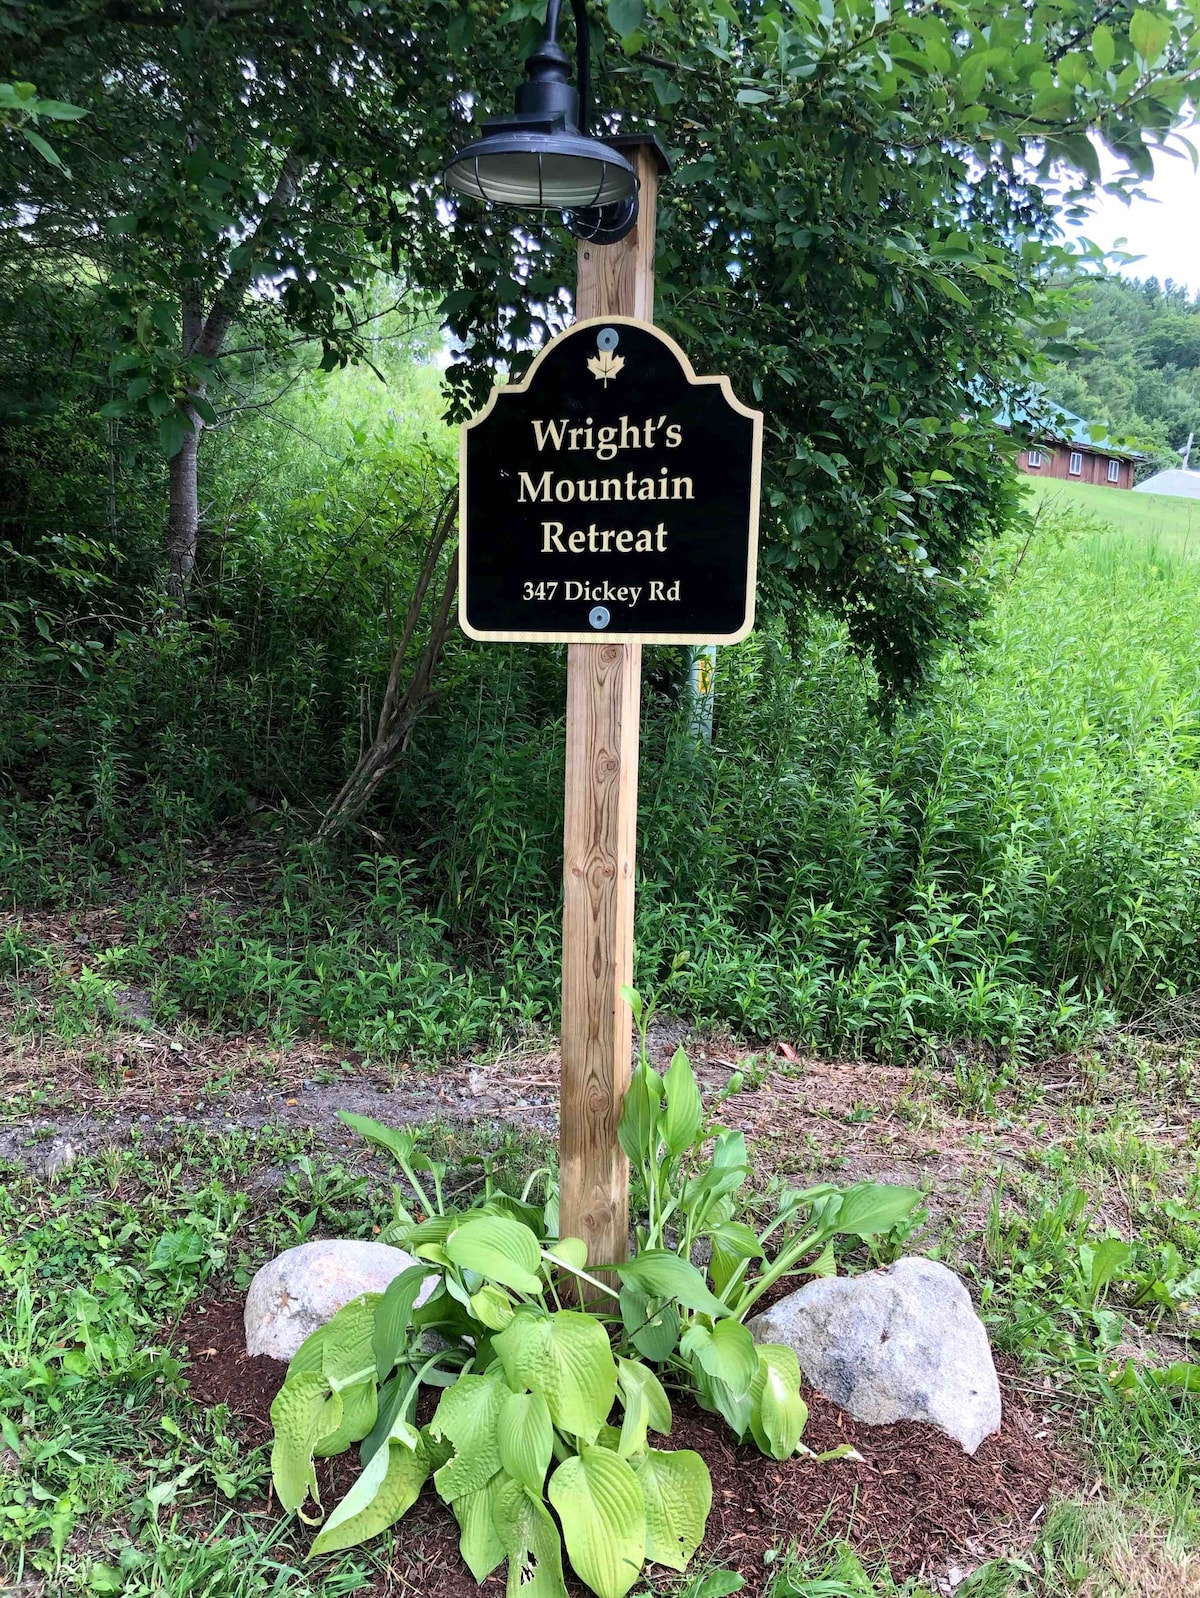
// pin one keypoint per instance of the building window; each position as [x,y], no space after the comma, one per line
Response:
[1035,457]
[1114,471]
[1076,466]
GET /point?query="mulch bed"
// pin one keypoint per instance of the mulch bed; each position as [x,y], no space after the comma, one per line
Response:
[916,1499]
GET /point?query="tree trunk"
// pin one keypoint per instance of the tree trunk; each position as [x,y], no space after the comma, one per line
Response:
[204,336]
[183,522]
[183,516]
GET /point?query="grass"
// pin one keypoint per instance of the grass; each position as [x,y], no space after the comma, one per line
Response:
[1014,862]
[1156,517]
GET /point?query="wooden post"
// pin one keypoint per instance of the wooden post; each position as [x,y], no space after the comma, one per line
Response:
[600,833]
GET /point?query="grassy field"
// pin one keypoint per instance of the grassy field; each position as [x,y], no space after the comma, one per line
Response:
[1153,516]
[155,1152]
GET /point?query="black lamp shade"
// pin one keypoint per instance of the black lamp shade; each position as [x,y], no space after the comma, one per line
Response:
[558,171]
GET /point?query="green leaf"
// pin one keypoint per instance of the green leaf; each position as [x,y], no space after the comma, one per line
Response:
[632,1437]
[60,111]
[726,1352]
[677,1495]
[653,1326]
[685,1109]
[1148,33]
[531,1540]
[45,150]
[637,1131]
[720,1584]
[567,1358]
[600,1505]
[468,1415]
[173,431]
[633,1376]
[1104,46]
[663,1274]
[479,1542]
[869,1208]
[492,1306]
[302,1413]
[778,1413]
[751,97]
[626,16]
[347,1355]
[526,1439]
[396,1141]
[499,1248]
[360,1409]
[386,1489]
[572,1251]
[732,1242]
[393,1317]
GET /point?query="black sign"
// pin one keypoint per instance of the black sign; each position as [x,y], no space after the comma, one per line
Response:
[613,494]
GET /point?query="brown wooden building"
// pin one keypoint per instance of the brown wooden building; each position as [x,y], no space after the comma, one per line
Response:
[1061,445]
[1085,463]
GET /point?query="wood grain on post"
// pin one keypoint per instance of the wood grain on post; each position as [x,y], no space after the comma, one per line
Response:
[600,835]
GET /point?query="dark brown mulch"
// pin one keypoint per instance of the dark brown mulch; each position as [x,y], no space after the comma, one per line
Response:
[915,1499]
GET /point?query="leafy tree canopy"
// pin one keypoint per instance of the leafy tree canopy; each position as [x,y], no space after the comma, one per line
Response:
[860,227]
[1135,363]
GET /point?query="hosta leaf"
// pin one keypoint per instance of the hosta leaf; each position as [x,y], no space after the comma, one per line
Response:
[734,1408]
[653,1326]
[869,1208]
[726,1352]
[566,1357]
[492,1306]
[664,1274]
[526,1439]
[303,1412]
[479,1542]
[499,1248]
[388,1404]
[396,1141]
[393,1317]
[531,1540]
[467,1415]
[641,1114]
[633,1376]
[677,1494]
[685,1108]
[360,1409]
[600,1504]
[632,1436]
[571,1251]
[387,1487]
[778,1413]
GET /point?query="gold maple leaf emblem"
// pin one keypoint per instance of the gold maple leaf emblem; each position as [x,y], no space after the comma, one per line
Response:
[605,366]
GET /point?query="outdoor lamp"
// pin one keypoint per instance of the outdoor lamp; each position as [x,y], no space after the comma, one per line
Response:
[543,157]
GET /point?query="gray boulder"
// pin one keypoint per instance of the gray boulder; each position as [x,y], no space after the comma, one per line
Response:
[902,1343]
[304,1287]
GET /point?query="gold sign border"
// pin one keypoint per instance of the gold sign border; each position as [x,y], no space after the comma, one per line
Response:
[595,636]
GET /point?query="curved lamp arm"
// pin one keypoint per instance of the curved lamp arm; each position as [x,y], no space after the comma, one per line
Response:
[583,54]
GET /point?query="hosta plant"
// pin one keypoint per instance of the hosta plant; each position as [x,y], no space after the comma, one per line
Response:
[542,1436]
[520,1445]
[695,1318]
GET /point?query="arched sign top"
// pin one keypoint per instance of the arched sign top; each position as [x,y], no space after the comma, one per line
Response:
[611,495]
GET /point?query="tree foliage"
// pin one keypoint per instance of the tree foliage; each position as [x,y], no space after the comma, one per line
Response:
[860,228]
[1136,365]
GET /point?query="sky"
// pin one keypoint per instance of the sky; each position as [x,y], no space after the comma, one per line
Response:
[1163,229]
